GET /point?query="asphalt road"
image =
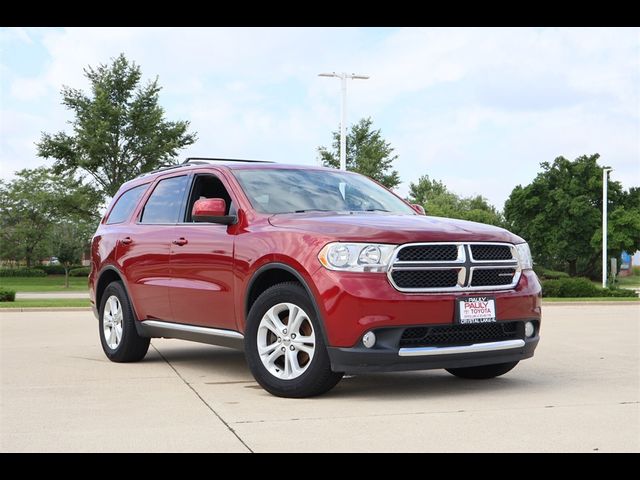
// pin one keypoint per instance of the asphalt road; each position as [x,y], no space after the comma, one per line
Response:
[581,392]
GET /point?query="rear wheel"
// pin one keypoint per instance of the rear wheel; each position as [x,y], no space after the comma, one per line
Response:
[483,371]
[118,336]
[284,345]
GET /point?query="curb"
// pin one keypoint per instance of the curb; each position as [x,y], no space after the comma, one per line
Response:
[46,309]
[52,295]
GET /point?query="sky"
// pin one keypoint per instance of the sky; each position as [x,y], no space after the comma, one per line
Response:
[477,108]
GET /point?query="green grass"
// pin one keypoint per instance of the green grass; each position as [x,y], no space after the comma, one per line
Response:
[64,302]
[632,281]
[50,283]
[591,299]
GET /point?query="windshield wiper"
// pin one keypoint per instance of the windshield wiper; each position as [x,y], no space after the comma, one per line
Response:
[313,210]
[376,210]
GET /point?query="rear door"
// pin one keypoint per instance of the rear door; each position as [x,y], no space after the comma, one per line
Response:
[202,262]
[144,254]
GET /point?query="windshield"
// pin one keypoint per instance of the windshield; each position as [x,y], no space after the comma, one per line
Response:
[296,191]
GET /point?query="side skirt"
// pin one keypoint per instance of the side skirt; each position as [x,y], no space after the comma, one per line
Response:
[212,336]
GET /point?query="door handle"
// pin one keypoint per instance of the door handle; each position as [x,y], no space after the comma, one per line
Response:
[181,241]
[126,241]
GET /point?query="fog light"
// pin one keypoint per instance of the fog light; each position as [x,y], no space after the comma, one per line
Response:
[529,329]
[369,339]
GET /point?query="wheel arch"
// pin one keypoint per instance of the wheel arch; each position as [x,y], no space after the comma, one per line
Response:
[109,274]
[271,274]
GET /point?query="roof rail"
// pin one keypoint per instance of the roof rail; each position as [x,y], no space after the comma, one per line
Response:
[161,169]
[202,160]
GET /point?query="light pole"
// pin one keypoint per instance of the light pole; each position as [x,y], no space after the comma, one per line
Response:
[605,185]
[343,111]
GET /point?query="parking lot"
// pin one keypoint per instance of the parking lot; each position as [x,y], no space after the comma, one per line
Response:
[581,392]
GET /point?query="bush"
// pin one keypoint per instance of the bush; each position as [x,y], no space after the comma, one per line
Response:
[547,274]
[569,287]
[79,272]
[580,287]
[619,292]
[7,295]
[55,269]
[22,272]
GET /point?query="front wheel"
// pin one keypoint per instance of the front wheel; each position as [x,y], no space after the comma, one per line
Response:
[284,346]
[483,372]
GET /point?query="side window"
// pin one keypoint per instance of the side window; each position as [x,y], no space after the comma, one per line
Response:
[165,203]
[207,186]
[126,204]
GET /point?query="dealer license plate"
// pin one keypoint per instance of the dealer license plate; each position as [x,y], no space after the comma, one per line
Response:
[471,310]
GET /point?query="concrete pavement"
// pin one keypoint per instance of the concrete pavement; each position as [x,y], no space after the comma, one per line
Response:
[581,392]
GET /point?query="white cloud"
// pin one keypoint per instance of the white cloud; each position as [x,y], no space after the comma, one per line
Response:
[15,33]
[478,108]
[28,88]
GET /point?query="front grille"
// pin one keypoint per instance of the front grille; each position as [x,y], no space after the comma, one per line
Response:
[494,276]
[428,253]
[454,267]
[425,278]
[491,252]
[458,335]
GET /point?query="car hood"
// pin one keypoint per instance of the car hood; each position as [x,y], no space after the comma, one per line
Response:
[390,228]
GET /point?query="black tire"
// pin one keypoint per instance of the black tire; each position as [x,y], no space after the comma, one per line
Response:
[318,378]
[132,347]
[483,371]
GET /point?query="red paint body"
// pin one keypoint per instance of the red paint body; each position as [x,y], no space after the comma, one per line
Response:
[205,280]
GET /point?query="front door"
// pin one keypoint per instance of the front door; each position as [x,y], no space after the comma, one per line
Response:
[202,263]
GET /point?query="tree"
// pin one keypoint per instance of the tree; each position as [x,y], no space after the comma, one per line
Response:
[438,201]
[367,153]
[119,131]
[560,214]
[68,245]
[623,226]
[33,202]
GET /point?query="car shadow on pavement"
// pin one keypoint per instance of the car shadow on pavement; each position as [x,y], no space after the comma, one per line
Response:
[429,383]
[209,361]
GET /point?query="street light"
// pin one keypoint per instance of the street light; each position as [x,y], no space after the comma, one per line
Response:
[605,184]
[343,111]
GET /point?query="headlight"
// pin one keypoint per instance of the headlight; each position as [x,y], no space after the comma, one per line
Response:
[356,257]
[524,256]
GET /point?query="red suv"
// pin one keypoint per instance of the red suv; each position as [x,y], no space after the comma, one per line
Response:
[313,272]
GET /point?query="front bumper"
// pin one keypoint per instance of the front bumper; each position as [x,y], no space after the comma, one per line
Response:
[386,358]
[350,304]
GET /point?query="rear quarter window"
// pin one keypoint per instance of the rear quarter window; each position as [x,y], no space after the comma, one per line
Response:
[125,205]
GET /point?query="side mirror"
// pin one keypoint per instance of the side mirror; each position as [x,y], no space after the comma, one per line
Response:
[211,210]
[419,208]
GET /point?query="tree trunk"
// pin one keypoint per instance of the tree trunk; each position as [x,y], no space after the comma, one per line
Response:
[66,277]
[572,267]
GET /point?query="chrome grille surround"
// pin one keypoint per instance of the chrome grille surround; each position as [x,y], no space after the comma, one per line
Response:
[464,263]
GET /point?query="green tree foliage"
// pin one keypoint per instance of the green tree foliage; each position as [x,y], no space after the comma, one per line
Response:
[36,200]
[367,153]
[119,131]
[560,214]
[68,241]
[438,201]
